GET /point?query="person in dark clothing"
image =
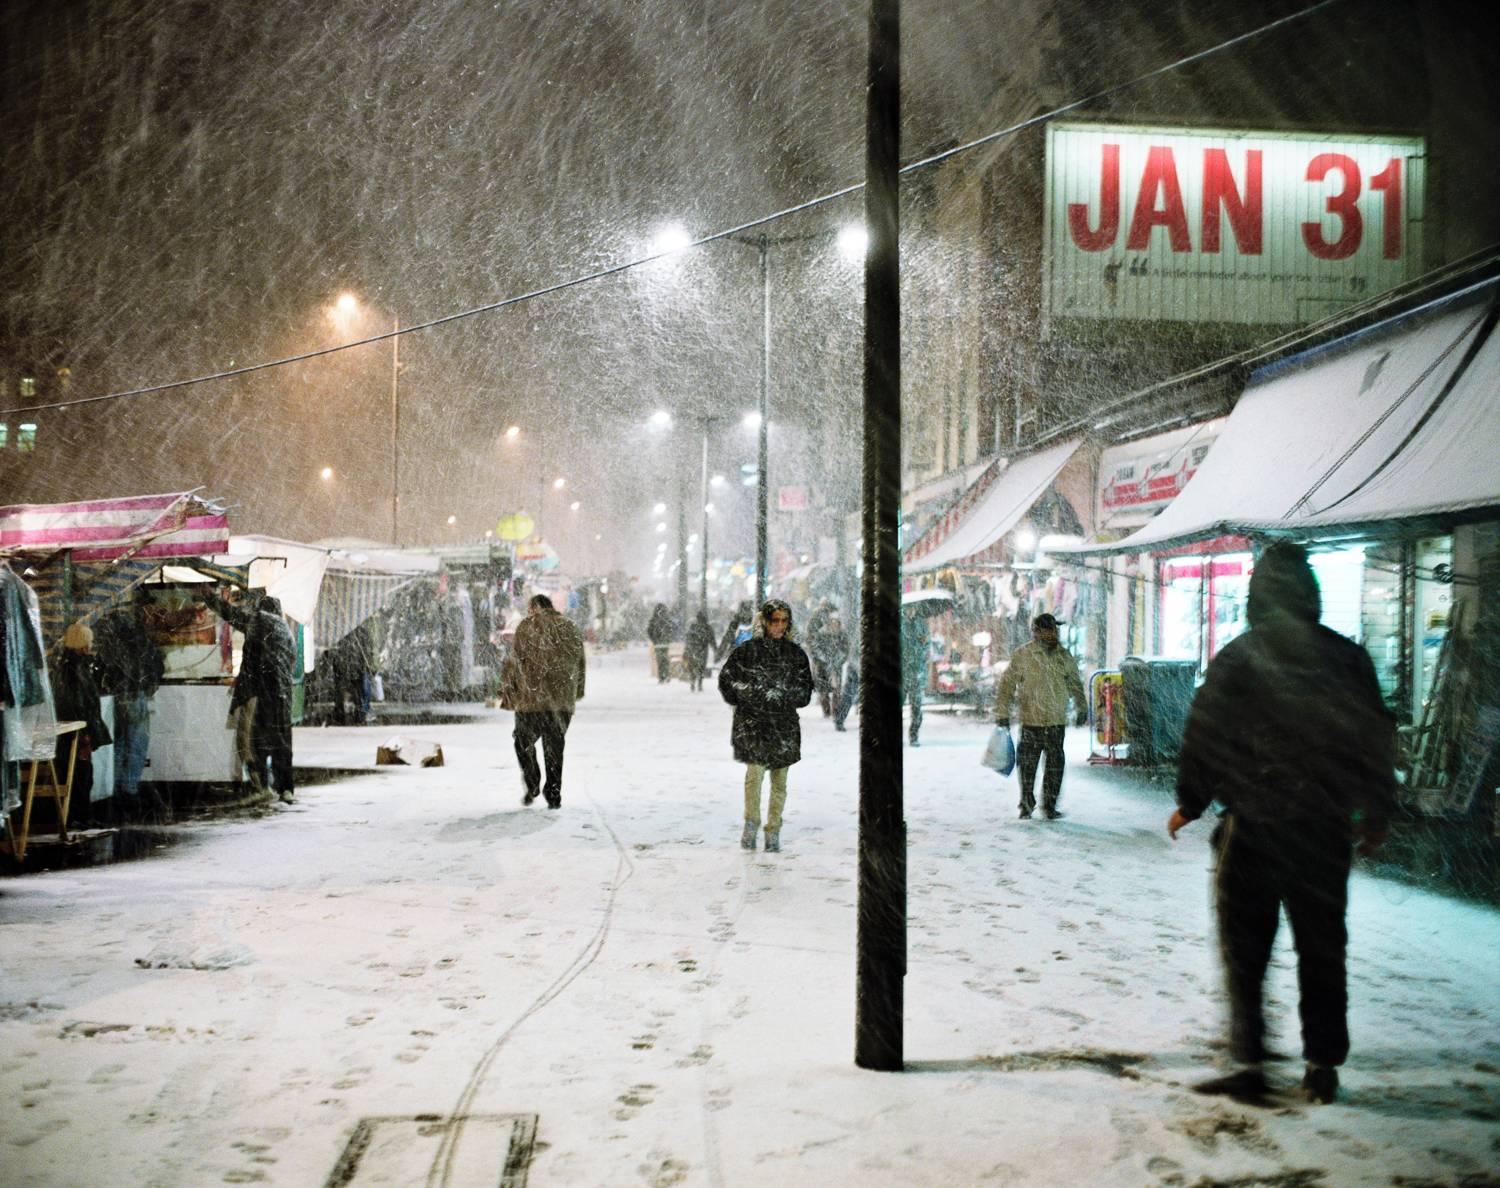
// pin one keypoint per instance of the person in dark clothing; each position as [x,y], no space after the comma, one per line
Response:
[849,694]
[736,631]
[916,642]
[263,688]
[542,681]
[830,651]
[1288,734]
[700,641]
[130,667]
[75,691]
[660,631]
[767,679]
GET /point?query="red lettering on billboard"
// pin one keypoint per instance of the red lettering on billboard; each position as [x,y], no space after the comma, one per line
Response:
[1102,239]
[1159,204]
[1388,181]
[1343,205]
[1220,193]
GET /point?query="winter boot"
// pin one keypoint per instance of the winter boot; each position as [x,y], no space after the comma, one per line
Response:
[747,838]
[1246,1084]
[1320,1083]
[773,841]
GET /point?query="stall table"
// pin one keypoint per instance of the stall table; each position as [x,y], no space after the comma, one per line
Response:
[53,788]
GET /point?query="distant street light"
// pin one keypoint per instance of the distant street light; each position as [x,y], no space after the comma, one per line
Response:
[452,520]
[574,506]
[659,510]
[559,483]
[327,473]
[512,433]
[661,419]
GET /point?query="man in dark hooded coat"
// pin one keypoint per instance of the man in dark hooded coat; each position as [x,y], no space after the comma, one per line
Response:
[1289,734]
[263,688]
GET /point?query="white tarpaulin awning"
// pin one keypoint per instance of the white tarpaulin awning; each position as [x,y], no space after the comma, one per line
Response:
[290,571]
[1009,497]
[1399,424]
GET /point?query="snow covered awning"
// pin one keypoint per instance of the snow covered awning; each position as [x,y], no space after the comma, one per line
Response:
[359,582]
[179,524]
[1395,428]
[988,510]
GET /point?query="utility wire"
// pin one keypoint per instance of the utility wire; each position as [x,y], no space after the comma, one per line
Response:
[730,233]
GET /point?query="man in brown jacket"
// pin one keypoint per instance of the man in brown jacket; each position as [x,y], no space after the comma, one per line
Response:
[542,680]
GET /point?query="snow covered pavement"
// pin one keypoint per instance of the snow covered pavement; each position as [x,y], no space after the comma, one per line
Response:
[621,983]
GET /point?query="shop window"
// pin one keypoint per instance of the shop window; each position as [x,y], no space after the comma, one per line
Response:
[28,386]
[25,438]
[4,435]
[1341,584]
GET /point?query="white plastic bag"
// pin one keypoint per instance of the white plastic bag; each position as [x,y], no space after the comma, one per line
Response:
[1000,752]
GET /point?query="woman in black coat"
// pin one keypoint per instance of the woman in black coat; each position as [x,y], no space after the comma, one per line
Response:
[767,679]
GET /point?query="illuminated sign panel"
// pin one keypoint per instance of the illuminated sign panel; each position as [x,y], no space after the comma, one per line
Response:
[1205,225]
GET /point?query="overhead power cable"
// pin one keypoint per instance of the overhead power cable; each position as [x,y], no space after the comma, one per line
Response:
[729,233]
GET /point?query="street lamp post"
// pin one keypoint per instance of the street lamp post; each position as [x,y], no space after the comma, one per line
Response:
[395,430]
[763,438]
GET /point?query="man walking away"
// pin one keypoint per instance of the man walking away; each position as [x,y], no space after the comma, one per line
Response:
[542,680]
[130,666]
[916,643]
[830,652]
[1289,735]
[660,631]
[700,642]
[1043,675]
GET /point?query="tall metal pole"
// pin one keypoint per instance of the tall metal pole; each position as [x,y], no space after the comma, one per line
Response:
[703,538]
[395,430]
[682,541]
[881,936]
[762,480]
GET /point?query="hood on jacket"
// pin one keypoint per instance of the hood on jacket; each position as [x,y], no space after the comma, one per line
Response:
[1283,583]
[772,605]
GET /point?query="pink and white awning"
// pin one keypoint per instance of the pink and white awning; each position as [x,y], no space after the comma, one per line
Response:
[179,524]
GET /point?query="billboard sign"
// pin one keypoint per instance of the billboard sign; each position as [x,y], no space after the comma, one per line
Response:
[1206,225]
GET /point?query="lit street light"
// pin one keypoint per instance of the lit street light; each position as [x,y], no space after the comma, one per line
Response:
[327,473]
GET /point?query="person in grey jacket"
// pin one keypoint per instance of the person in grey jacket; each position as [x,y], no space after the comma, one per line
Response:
[1042,675]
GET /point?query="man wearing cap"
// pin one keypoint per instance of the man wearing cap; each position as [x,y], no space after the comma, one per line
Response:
[1042,675]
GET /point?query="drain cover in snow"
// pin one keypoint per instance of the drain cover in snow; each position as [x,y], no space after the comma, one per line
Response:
[492,1150]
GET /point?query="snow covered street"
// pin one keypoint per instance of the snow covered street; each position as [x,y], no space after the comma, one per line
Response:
[410,946]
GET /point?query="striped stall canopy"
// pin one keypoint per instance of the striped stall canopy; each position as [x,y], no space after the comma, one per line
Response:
[180,524]
[67,592]
[347,599]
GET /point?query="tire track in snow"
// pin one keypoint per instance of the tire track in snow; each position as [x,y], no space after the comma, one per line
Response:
[441,1171]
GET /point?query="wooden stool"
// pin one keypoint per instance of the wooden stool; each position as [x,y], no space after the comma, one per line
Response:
[51,788]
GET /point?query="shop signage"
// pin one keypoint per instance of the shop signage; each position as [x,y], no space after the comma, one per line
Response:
[1208,225]
[1150,480]
[791,499]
